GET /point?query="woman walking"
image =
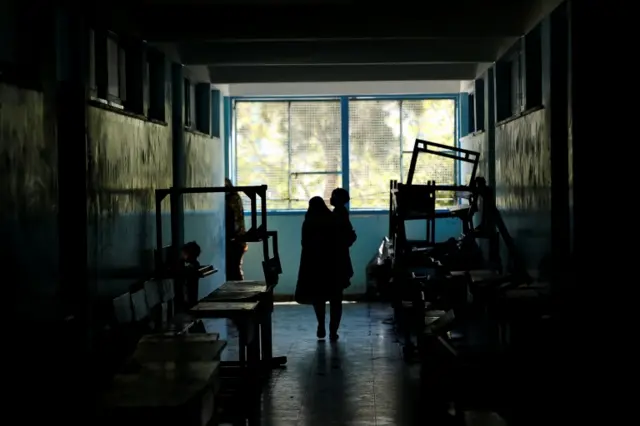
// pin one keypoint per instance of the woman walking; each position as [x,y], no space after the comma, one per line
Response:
[316,284]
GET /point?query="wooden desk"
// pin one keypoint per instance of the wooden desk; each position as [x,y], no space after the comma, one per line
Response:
[245,316]
[245,286]
[254,291]
[233,296]
[229,310]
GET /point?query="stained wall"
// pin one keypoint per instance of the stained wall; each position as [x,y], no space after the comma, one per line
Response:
[28,201]
[129,159]
[523,186]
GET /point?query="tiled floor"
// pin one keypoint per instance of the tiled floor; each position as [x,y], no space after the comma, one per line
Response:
[359,380]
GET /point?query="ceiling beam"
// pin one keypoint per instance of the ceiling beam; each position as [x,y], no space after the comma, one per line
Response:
[367,51]
[326,73]
[457,18]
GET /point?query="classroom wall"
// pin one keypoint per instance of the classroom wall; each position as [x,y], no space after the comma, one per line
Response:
[28,201]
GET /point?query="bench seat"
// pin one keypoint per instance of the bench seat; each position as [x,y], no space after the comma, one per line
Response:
[165,393]
[180,348]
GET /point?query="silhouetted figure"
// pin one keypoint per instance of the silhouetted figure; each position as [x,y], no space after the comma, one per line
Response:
[188,276]
[342,269]
[235,230]
[346,235]
[316,281]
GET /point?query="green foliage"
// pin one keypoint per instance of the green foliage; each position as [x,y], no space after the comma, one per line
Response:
[292,146]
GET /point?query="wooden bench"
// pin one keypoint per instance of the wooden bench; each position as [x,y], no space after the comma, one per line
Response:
[166,393]
[180,348]
[164,375]
[148,308]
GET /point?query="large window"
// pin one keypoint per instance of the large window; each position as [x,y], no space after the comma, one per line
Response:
[381,138]
[296,147]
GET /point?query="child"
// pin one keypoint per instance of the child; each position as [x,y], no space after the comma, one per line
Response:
[345,234]
[190,274]
[339,200]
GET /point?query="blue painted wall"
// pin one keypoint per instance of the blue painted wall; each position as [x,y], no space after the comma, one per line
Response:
[370,227]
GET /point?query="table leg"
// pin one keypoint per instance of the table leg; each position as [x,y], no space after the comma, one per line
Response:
[266,338]
[242,343]
[253,347]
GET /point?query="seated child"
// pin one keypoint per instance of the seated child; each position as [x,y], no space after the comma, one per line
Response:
[189,274]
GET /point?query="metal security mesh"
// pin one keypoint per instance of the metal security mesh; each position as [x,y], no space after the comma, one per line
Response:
[295,147]
[290,146]
[304,187]
[374,151]
[380,130]
[432,120]
[316,145]
[316,150]
[432,168]
[262,149]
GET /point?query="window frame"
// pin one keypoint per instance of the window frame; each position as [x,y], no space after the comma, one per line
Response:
[155,85]
[189,103]
[344,112]
[127,72]
[284,99]
[119,69]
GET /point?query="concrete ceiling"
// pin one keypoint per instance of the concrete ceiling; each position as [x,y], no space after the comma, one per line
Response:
[245,41]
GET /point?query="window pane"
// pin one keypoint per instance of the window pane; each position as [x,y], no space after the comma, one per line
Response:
[432,167]
[192,104]
[316,144]
[92,61]
[122,73]
[433,120]
[516,85]
[187,102]
[304,187]
[374,151]
[145,87]
[113,54]
[262,149]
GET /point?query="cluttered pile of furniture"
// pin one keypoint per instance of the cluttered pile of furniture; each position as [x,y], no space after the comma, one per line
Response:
[452,297]
[164,367]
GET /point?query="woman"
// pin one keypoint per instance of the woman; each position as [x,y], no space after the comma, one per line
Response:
[316,282]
